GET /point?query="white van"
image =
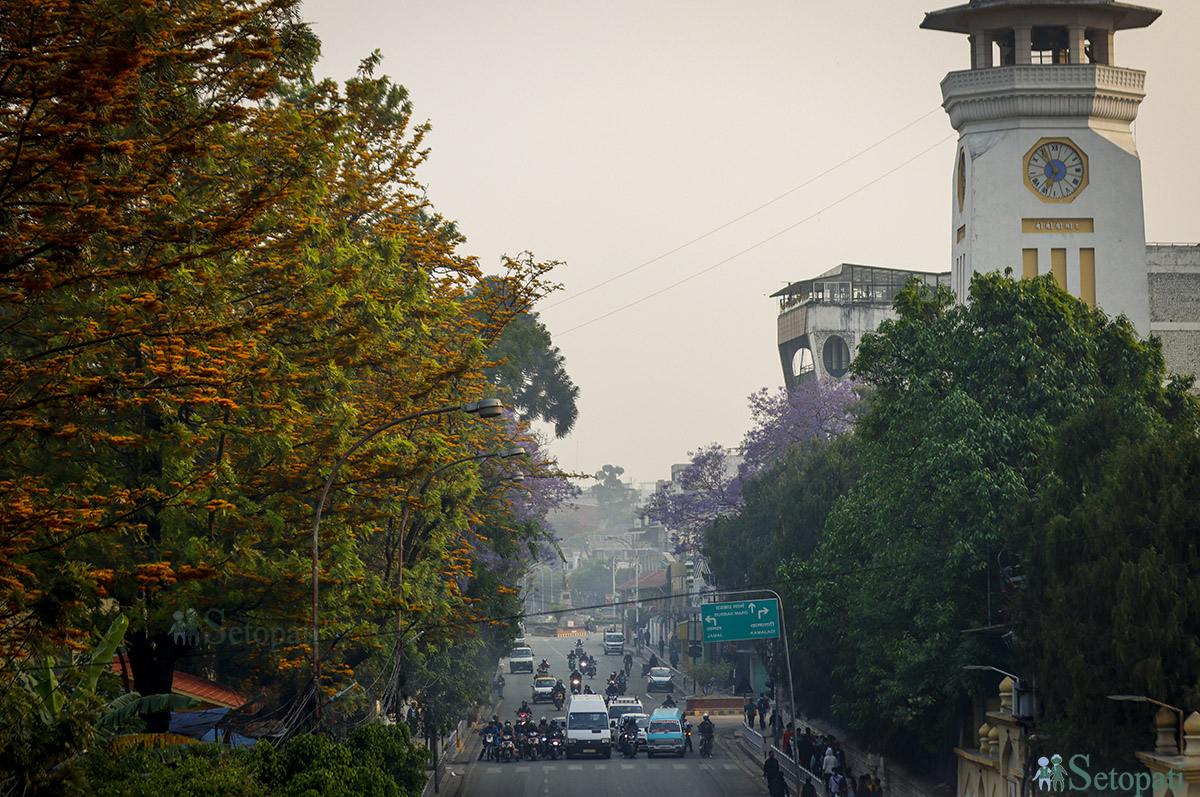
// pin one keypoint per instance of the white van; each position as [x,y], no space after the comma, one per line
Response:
[614,643]
[587,727]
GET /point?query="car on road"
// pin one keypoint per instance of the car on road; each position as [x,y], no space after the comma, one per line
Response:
[659,679]
[614,643]
[520,659]
[618,707]
[643,723]
[543,689]
[587,727]
[666,733]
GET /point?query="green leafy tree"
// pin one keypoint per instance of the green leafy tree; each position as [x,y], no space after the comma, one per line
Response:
[531,371]
[1109,602]
[615,499]
[956,440]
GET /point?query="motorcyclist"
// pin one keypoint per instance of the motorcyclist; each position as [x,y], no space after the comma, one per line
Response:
[544,667]
[707,731]
[687,733]
[611,690]
[669,702]
[587,689]
[571,659]
[525,709]
[629,733]
[493,727]
[621,681]
[628,662]
[576,678]
[527,731]
[559,693]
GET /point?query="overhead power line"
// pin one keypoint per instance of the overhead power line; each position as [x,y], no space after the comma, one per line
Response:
[754,246]
[745,215]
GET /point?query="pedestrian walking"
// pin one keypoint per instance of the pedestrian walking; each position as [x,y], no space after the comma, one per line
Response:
[749,710]
[500,685]
[763,705]
[776,785]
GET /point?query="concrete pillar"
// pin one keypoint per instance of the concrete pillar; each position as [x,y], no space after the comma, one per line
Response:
[1191,735]
[1102,47]
[1023,44]
[1166,724]
[1075,37]
[981,50]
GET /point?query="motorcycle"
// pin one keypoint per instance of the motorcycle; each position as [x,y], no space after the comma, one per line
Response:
[529,749]
[706,746]
[554,748]
[543,669]
[508,750]
[559,698]
[576,685]
[591,669]
[489,746]
[629,744]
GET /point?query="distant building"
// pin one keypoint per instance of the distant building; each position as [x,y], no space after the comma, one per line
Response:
[821,320]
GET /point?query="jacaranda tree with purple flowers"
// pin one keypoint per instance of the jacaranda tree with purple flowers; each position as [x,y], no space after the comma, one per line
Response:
[712,484]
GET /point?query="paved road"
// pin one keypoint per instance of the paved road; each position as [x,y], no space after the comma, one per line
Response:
[726,773]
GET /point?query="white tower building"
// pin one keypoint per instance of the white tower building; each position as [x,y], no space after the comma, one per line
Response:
[1047,177]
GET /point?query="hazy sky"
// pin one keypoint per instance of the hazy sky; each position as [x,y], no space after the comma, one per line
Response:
[612,133]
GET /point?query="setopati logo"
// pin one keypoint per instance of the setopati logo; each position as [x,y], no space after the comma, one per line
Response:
[1052,776]
[190,629]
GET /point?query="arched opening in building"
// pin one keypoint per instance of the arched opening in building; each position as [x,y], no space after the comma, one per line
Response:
[835,356]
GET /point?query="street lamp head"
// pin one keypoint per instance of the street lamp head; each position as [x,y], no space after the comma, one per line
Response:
[484,408]
[509,453]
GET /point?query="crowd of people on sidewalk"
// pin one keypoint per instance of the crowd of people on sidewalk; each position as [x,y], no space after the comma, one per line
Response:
[820,755]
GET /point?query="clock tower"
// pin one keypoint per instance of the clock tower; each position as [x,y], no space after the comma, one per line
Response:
[1046,177]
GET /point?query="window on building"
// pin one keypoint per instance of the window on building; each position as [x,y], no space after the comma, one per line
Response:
[835,356]
[1051,45]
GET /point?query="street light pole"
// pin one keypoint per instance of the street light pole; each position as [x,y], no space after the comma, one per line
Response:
[1144,699]
[484,408]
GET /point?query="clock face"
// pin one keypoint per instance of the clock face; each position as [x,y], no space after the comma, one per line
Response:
[1056,170]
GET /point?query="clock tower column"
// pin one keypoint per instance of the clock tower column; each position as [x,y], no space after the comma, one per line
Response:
[1047,178]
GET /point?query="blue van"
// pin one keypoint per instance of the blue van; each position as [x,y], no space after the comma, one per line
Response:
[665,734]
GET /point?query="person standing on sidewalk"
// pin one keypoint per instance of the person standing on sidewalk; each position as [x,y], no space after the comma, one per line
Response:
[763,705]
[500,685]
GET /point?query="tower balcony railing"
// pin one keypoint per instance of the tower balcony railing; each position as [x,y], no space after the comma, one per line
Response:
[1047,90]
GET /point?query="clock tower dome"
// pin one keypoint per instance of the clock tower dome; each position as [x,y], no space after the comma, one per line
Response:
[1046,177]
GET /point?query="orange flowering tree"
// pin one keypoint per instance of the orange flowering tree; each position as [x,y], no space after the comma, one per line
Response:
[215,275]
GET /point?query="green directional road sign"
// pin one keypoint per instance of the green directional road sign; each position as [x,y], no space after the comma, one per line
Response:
[737,620]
